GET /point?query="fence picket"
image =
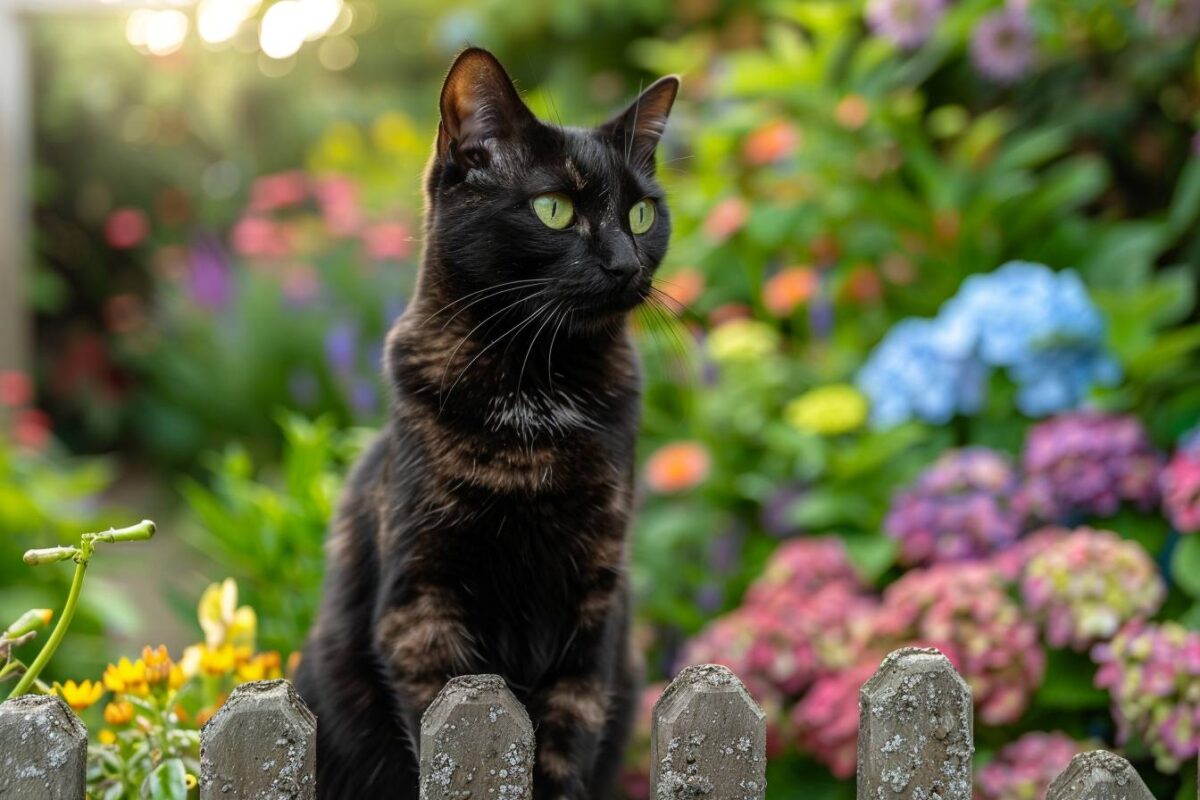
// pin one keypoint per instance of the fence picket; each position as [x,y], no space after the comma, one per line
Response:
[476,741]
[261,745]
[915,729]
[709,739]
[1098,775]
[44,750]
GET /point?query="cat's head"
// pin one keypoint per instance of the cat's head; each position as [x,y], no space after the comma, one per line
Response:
[531,216]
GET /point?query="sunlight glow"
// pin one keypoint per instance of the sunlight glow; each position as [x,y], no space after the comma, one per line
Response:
[219,20]
[285,27]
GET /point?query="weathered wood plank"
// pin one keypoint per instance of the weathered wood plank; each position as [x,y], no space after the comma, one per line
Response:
[915,729]
[43,750]
[476,741]
[709,739]
[261,745]
[1098,775]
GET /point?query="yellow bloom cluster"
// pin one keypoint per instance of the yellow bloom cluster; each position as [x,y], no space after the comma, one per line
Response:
[742,340]
[828,410]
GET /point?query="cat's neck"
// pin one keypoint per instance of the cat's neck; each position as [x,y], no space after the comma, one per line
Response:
[532,374]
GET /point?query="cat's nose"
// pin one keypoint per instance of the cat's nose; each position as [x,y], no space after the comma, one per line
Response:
[623,271]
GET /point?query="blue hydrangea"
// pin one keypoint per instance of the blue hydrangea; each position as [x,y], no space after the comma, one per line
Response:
[1038,325]
[913,374]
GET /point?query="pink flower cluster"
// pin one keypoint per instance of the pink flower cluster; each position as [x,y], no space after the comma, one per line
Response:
[1088,462]
[807,615]
[1024,769]
[1180,485]
[1088,584]
[960,508]
[1152,673]
[965,611]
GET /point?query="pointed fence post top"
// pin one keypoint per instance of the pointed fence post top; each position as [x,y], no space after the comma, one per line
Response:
[709,738]
[261,744]
[915,729]
[476,741]
[1098,775]
[44,749]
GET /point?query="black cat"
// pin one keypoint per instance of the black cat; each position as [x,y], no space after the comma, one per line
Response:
[485,529]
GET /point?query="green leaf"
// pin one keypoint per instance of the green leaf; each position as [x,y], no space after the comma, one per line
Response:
[168,781]
[1185,565]
[1068,683]
[1185,206]
[871,554]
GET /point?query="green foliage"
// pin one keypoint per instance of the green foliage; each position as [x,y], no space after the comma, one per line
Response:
[46,499]
[266,526]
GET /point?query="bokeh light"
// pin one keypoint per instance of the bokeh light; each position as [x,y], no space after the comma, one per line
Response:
[284,29]
[219,21]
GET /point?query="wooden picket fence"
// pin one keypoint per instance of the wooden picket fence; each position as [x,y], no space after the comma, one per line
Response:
[915,742]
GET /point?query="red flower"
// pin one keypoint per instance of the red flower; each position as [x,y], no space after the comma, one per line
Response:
[16,388]
[126,228]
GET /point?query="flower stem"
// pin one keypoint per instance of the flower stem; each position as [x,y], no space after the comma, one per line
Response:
[82,555]
[60,630]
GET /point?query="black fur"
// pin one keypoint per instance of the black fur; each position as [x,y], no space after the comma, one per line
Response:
[484,531]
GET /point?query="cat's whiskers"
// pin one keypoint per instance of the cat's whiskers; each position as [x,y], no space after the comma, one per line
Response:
[514,329]
[497,293]
[532,341]
[452,303]
[463,340]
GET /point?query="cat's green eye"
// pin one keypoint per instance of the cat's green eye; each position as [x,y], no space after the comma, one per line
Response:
[554,209]
[641,216]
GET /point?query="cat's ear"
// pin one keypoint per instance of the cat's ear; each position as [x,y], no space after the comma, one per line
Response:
[479,103]
[638,128]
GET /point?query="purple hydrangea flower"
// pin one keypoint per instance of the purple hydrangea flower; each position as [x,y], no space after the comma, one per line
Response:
[1087,463]
[905,23]
[960,508]
[1003,46]
[210,281]
[341,347]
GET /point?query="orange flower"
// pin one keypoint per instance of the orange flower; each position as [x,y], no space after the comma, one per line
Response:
[863,285]
[158,664]
[726,218]
[852,112]
[678,466]
[772,142]
[684,287]
[119,712]
[788,289]
[204,715]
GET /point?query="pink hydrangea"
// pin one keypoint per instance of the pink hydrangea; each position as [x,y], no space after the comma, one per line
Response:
[1180,485]
[1152,673]
[1024,769]
[804,565]
[781,642]
[965,611]
[1011,563]
[825,721]
[960,508]
[1087,585]
[1088,462]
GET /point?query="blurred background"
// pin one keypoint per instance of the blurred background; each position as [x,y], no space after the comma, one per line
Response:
[932,373]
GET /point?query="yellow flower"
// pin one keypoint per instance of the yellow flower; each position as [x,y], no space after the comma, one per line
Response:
[107,737]
[263,667]
[218,661]
[221,618]
[126,677]
[828,410]
[177,678]
[118,713]
[80,695]
[742,340]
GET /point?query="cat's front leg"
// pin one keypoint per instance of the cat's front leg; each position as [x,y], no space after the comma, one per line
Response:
[421,643]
